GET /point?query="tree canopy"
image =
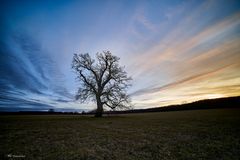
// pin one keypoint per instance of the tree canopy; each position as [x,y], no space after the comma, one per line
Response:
[102,80]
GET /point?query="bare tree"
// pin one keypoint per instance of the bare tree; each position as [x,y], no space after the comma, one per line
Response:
[104,81]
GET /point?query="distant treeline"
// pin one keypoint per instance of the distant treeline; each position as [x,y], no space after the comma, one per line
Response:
[230,102]
[38,113]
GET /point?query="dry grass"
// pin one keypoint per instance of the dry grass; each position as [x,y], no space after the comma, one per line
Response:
[203,134]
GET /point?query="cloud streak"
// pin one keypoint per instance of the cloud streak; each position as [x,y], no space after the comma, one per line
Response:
[184,58]
[185,81]
[26,72]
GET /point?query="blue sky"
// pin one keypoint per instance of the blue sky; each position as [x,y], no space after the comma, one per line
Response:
[175,51]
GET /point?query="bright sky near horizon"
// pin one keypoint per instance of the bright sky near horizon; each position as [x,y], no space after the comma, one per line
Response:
[175,51]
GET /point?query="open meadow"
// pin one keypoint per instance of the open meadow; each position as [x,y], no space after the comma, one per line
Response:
[198,134]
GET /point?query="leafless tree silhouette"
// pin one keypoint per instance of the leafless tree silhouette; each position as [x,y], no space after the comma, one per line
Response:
[104,81]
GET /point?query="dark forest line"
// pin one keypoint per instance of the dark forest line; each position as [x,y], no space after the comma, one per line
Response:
[229,102]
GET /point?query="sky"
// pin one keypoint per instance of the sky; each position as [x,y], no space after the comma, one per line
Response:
[175,51]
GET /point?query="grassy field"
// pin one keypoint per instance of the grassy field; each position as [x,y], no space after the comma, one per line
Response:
[199,134]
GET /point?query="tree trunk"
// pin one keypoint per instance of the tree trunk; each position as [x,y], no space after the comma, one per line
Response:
[99,110]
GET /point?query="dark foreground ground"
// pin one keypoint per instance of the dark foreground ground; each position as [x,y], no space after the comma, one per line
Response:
[198,134]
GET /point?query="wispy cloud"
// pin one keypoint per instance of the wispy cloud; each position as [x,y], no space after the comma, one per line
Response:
[26,72]
[141,18]
[191,60]
[214,84]
[182,82]
[180,48]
